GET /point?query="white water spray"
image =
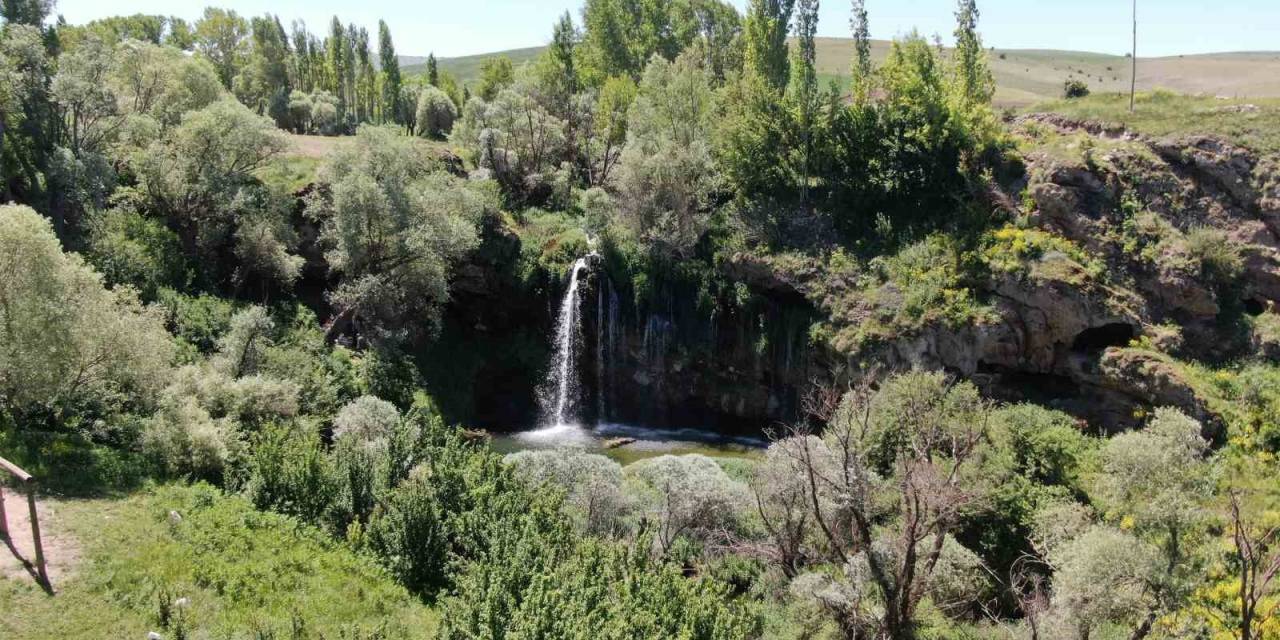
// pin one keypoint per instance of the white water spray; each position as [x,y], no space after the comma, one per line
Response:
[563,387]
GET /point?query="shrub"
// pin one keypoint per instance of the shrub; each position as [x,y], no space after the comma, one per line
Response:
[686,497]
[183,440]
[1219,258]
[591,590]
[408,533]
[435,113]
[1074,88]
[592,484]
[132,249]
[289,472]
[197,320]
[367,419]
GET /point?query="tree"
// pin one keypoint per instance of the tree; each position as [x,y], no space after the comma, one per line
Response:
[263,83]
[667,170]
[25,12]
[804,91]
[1133,60]
[201,176]
[1257,564]
[606,131]
[886,485]
[976,84]
[861,67]
[390,66]
[496,74]
[765,35]
[1158,480]
[88,106]
[433,70]
[68,344]
[220,37]
[242,349]
[394,226]
[161,82]
[435,113]
[686,497]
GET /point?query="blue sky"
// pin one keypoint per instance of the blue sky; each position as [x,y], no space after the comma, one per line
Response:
[462,27]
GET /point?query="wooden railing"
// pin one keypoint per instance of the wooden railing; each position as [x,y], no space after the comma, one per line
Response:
[29,483]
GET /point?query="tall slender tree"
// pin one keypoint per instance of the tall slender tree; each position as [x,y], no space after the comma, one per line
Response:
[433,70]
[766,41]
[976,82]
[804,89]
[861,67]
[390,74]
[336,64]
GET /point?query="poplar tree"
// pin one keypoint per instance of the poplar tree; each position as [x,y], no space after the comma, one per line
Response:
[336,63]
[804,88]
[390,74]
[861,68]
[976,83]
[433,70]
[766,41]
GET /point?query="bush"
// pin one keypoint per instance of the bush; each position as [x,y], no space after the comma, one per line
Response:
[367,419]
[592,590]
[592,484]
[686,497]
[1219,258]
[409,534]
[183,440]
[357,480]
[289,472]
[1073,88]
[197,320]
[132,249]
[435,114]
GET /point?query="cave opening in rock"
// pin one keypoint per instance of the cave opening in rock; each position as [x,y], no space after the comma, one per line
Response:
[1093,339]
[1254,306]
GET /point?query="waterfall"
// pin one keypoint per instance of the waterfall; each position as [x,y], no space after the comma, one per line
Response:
[600,322]
[563,384]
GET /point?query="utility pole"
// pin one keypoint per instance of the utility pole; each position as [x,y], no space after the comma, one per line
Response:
[1133,59]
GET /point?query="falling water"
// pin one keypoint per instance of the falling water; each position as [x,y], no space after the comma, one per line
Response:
[600,343]
[564,380]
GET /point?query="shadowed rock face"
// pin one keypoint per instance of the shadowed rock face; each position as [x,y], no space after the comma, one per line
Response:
[1056,335]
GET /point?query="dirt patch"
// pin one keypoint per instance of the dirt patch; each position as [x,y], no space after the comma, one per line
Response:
[17,556]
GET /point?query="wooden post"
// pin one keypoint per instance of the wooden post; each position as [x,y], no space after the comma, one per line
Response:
[35,534]
[4,523]
[30,482]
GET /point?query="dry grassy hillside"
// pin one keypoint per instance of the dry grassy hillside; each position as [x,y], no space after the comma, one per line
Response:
[1028,76]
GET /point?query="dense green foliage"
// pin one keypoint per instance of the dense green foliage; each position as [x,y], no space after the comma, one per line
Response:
[171,310]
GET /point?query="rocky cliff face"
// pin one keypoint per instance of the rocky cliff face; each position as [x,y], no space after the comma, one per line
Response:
[1144,208]
[1149,216]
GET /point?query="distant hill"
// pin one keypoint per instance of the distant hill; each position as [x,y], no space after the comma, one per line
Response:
[466,68]
[1025,76]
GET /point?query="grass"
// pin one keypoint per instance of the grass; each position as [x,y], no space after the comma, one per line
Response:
[1254,124]
[1025,76]
[291,172]
[244,574]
